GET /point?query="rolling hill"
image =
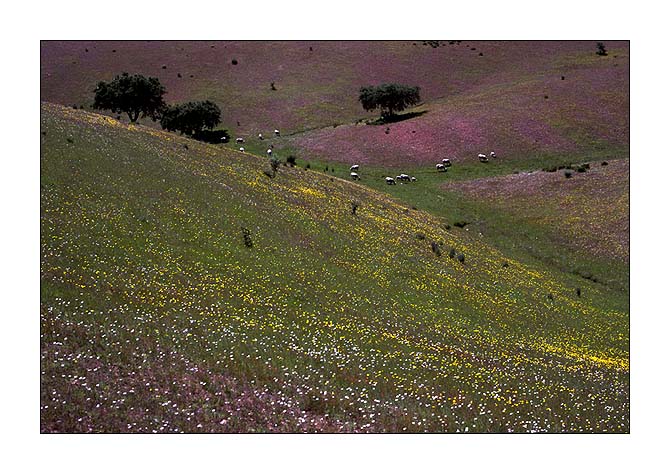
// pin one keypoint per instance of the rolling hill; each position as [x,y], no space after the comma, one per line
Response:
[523,99]
[157,317]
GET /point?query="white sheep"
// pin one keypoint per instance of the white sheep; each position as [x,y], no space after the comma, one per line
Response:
[404,177]
[353,168]
[412,178]
[239,140]
[276,132]
[446,162]
[493,154]
[439,167]
[354,176]
[482,157]
[242,149]
[389,180]
[260,136]
[269,152]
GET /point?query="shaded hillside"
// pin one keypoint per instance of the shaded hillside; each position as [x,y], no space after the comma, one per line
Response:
[157,317]
[589,211]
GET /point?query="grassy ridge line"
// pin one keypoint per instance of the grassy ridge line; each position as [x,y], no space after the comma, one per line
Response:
[145,242]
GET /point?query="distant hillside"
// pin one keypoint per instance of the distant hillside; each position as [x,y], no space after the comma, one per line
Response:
[157,318]
[520,98]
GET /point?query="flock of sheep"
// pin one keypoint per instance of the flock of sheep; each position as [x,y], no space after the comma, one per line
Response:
[446,163]
[260,137]
[353,170]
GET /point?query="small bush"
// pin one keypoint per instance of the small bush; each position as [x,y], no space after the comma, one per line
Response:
[568,174]
[460,257]
[420,236]
[579,292]
[550,297]
[354,207]
[601,51]
[505,264]
[452,252]
[435,248]
[246,235]
[234,61]
[461,224]
[307,166]
[604,163]
[290,159]
[163,66]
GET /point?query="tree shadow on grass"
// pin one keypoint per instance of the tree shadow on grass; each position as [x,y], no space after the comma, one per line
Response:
[396,118]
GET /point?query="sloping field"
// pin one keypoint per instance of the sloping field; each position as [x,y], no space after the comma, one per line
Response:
[157,318]
[589,211]
[473,103]
[577,103]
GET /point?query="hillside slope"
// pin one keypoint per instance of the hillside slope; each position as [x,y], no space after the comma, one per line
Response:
[157,318]
[520,98]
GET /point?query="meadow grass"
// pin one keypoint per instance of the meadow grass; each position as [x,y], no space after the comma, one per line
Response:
[155,316]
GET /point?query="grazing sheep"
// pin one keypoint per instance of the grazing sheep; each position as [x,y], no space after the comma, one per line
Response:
[403,177]
[482,157]
[439,167]
[269,152]
[493,154]
[446,162]
[260,136]
[354,176]
[353,168]
[412,178]
[389,180]
[239,140]
[276,132]
[242,149]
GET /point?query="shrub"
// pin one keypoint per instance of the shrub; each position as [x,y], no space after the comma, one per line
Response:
[601,49]
[307,166]
[421,236]
[460,257]
[435,248]
[604,163]
[191,118]
[579,292]
[505,264]
[568,174]
[461,224]
[354,207]
[246,235]
[452,252]
[290,159]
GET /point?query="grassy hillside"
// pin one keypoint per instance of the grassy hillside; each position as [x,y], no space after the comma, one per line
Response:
[157,318]
[472,102]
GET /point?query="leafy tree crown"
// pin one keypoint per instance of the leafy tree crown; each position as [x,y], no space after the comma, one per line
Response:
[136,95]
